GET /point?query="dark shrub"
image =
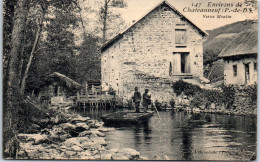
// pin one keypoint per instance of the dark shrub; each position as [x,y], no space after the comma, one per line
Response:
[172,103]
[187,88]
[158,104]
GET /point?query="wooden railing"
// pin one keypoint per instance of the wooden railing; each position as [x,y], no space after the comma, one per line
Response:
[95,97]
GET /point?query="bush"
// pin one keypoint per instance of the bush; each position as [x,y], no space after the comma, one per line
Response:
[158,104]
[172,103]
[198,100]
[204,96]
[251,91]
[130,104]
[228,96]
[183,87]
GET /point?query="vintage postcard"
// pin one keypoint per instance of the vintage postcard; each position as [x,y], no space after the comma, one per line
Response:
[130,79]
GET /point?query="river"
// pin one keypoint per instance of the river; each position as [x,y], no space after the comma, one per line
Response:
[187,136]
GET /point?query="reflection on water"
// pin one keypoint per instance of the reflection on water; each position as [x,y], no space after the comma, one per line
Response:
[185,136]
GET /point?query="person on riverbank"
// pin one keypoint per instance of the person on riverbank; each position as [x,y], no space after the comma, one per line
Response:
[146,100]
[137,99]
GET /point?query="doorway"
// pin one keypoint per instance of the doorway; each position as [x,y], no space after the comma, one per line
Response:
[185,63]
[247,74]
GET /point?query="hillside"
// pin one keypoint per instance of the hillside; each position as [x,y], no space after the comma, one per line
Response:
[218,38]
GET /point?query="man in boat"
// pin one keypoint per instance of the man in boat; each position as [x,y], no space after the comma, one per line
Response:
[146,100]
[137,99]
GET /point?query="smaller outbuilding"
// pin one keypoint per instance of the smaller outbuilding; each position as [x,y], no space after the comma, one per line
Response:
[240,59]
[59,88]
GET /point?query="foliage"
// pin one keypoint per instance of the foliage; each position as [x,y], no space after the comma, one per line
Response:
[251,91]
[56,50]
[172,102]
[228,95]
[188,89]
[158,105]
[198,100]
[205,96]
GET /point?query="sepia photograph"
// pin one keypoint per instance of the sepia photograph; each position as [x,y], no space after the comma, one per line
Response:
[130,80]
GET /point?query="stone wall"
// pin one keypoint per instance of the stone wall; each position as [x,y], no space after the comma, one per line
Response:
[142,57]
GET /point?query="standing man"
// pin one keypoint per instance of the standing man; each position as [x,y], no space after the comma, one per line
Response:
[137,99]
[146,100]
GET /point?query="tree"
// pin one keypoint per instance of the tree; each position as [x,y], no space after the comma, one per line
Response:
[8,15]
[21,44]
[105,15]
[57,47]
[88,60]
[10,108]
[39,21]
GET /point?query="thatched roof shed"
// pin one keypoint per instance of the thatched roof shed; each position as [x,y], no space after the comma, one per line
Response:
[63,81]
[245,43]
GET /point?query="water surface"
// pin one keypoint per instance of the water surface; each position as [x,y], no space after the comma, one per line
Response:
[186,136]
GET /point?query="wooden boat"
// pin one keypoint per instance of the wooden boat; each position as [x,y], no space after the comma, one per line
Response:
[126,117]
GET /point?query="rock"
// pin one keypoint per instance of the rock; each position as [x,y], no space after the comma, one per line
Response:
[45,131]
[85,153]
[83,125]
[76,148]
[64,137]
[106,156]
[116,156]
[92,125]
[54,137]
[71,142]
[95,152]
[131,154]
[96,133]
[67,126]
[85,145]
[84,134]
[79,119]
[71,153]
[143,158]
[86,157]
[114,150]
[35,126]
[99,140]
[84,139]
[104,129]
[130,151]
[79,129]
[36,138]
[212,106]
[99,124]
[63,147]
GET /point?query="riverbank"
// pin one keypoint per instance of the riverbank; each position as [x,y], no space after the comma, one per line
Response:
[219,111]
[227,99]
[68,135]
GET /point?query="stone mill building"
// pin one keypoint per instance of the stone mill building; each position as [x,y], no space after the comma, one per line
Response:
[158,49]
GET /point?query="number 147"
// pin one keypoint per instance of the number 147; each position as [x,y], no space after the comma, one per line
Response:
[196,4]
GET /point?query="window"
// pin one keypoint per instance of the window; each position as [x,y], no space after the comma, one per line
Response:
[180,36]
[255,66]
[235,70]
